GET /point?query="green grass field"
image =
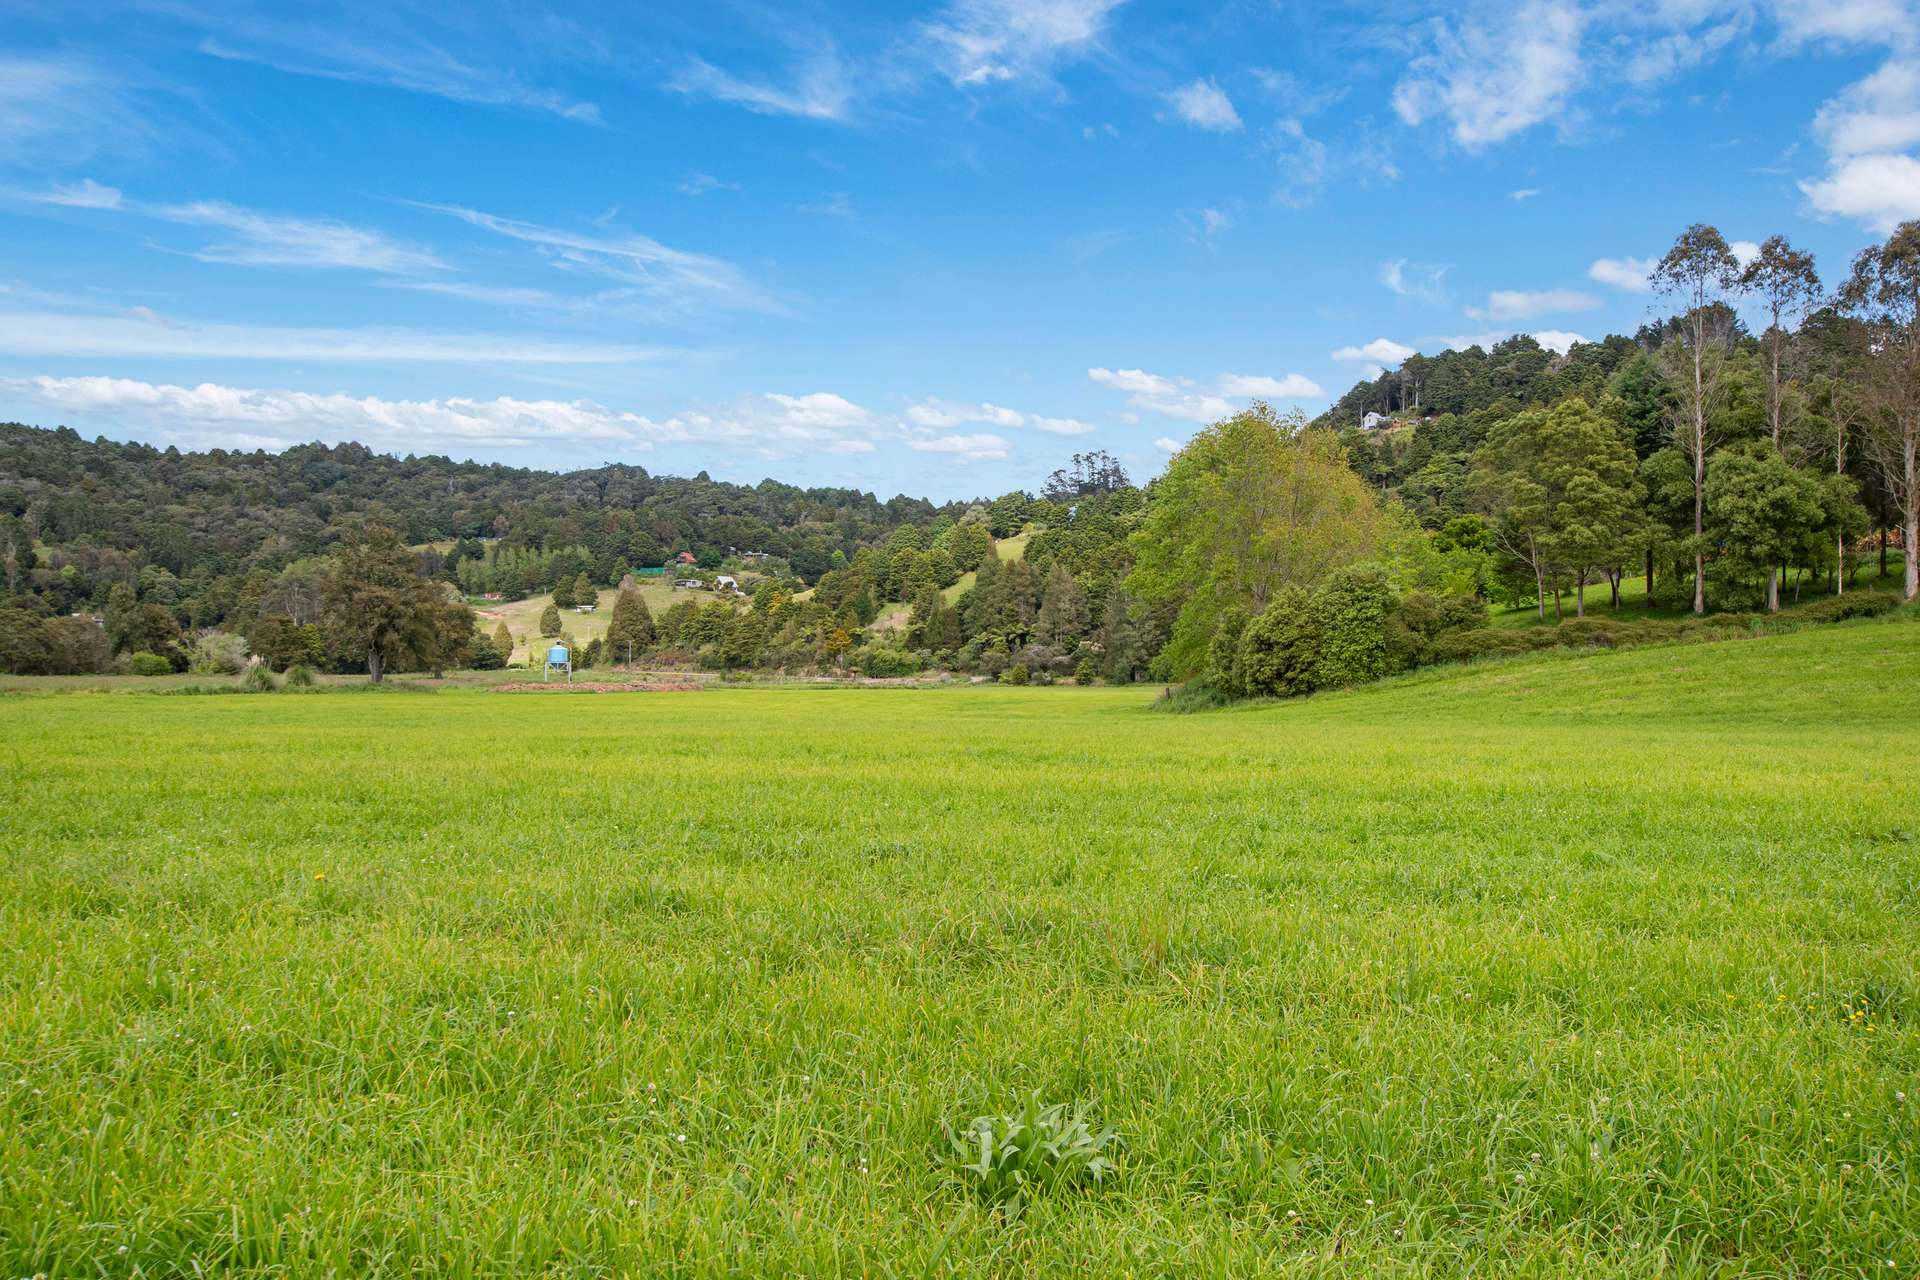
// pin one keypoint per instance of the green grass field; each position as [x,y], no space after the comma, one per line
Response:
[1570,965]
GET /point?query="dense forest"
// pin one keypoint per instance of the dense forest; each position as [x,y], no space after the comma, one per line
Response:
[1728,466]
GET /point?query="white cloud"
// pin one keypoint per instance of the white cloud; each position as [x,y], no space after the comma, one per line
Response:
[673,276]
[1061,426]
[211,414]
[939,415]
[1203,105]
[1168,443]
[1873,116]
[822,88]
[1744,251]
[142,333]
[1489,82]
[1294,386]
[1878,192]
[950,413]
[1630,274]
[1520,304]
[1843,22]
[1524,193]
[980,447]
[1556,340]
[1381,351]
[1461,341]
[985,42]
[1176,397]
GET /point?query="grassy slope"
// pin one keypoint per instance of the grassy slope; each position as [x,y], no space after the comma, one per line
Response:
[1535,967]
[523,616]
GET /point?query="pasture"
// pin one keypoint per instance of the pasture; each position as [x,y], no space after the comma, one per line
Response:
[1597,965]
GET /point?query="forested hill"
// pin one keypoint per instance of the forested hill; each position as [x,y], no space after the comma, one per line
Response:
[222,511]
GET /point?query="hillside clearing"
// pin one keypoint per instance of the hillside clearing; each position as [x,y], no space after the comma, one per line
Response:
[1596,964]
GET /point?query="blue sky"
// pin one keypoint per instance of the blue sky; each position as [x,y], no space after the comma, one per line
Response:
[931,248]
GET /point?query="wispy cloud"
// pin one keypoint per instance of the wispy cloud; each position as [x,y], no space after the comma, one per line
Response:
[143,333]
[985,42]
[58,112]
[821,88]
[254,237]
[393,58]
[700,184]
[673,276]
[838,204]
[1204,105]
[1523,194]
[1425,281]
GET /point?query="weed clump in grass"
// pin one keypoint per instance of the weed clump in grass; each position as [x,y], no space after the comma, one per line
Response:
[258,680]
[1010,1159]
[299,677]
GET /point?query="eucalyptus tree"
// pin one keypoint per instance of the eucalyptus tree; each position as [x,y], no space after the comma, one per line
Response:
[1883,293]
[1702,275]
[1785,281]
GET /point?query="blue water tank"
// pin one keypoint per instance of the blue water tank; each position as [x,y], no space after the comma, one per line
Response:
[557,655]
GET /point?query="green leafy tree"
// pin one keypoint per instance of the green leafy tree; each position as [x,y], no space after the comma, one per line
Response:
[1251,504]
[583,592]
[377,602]
[1279,651]
[503,642]
[1762,510]
[550,620]
[1560,485]
[1883,292]
[563,597]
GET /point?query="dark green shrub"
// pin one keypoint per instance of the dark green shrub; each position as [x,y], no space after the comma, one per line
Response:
[300,677]
[1280,650]
[1088,672]
[1016,674]
[1350,612]
[149,664]
[1861,604]
[258,680]
[879,664]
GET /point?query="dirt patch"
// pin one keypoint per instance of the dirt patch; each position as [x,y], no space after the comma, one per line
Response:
[595,686]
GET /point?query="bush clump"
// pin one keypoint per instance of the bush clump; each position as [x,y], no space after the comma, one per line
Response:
[300,677]
[149,664]
[880,664]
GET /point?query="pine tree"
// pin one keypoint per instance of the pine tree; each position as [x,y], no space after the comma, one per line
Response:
[503,641]
[631,631]
[583,592]
[550,621]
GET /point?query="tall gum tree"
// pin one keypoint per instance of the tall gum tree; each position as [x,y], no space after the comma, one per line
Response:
[1883,293]
[1701,274]
[1784,281]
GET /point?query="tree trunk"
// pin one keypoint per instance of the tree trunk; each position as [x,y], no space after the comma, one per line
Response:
[1839,564]
[1580,596]
[1699,485]
[1613,587]
[1539,581]
[1558,616]
[1883,554]
[376,665]
[1649,577]
[1911,533]
[1773,590]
